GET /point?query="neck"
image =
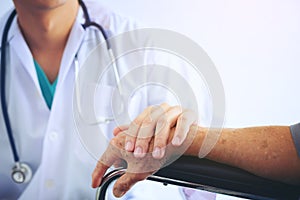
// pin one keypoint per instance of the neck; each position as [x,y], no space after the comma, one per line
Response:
[46,27]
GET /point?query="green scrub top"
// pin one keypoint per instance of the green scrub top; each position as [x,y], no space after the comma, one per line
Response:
[47,88]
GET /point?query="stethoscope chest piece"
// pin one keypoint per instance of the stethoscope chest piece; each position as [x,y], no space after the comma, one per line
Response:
[21,173]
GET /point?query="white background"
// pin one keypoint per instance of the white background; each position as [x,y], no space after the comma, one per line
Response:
[255,45]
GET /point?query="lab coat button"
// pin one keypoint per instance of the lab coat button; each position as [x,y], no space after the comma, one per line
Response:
[49,184]
[53,136]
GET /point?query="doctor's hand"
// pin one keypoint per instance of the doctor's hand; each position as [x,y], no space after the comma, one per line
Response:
[137,168]
[157,121]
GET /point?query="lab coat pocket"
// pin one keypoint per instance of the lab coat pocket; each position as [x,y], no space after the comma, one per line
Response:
[110,105]
[94,117]
[102,104]
[95,103]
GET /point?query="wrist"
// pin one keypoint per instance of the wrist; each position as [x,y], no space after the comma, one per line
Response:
[193,149]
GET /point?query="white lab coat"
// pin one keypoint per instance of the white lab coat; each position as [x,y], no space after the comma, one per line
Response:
[48,140]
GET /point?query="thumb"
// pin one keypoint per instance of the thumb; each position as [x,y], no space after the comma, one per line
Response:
[125,182]
[108,158]
[98,174]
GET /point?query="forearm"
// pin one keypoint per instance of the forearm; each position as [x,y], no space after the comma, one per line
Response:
[265,151]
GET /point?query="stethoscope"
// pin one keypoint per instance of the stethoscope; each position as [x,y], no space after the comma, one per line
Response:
[21,172]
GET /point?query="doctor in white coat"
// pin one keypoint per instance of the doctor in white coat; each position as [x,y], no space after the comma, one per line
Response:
[43,41]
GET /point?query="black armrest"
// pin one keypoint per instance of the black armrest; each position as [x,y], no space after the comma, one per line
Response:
[220,178]
[211,176]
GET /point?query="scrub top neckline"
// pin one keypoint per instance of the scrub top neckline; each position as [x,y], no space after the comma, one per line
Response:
[48,89]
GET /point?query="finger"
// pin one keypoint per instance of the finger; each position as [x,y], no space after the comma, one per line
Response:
[147,130]
[185,120]
[133,129]
[119,129]
[125,182]
[107,159]
[162,132]
[98,173]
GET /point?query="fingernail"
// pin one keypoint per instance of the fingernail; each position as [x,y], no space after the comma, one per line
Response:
[128,146]
[156,152]
[176,141]
[138,152]
[122,193]
[119,193]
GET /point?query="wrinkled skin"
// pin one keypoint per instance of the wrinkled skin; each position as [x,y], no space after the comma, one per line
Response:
[137,168]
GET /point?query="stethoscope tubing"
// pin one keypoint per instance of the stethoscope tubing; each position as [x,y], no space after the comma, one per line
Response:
[88,23]
[3,95]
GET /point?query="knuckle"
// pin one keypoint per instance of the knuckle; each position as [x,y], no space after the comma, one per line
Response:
[147,120]
[149,108]
[160,143]
[178,108]
[146,131]
[164,106]
[99,165]
[143,141]
[183,118]
[162,121]
[130,139]
[139,177]
[161,127]
[137,121]
[114,141]
[161,138]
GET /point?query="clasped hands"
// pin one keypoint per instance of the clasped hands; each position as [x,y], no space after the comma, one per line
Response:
[154,139]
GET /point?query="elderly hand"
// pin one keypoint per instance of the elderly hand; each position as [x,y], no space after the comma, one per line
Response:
[137,168]
[157,121]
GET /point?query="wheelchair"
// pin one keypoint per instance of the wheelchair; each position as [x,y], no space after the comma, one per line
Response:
[211,176]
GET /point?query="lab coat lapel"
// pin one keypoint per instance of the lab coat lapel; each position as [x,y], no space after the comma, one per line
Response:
[20,48]
[74,42]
